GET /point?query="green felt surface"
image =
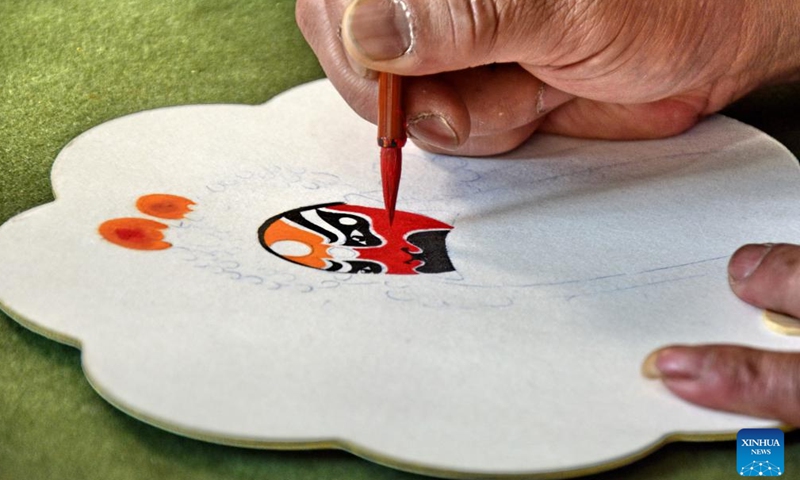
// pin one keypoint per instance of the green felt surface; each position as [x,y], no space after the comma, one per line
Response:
[68,65]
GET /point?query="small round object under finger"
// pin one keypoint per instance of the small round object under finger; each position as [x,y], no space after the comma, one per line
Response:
[781,323]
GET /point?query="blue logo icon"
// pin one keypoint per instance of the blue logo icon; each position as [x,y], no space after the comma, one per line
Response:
[759,452]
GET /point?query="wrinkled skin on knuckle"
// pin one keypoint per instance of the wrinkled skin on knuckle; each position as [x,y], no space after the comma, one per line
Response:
[785,260]
[471,26]
[781,374]
[640,51]
[781,269]
[571,31]
[539,32]
[497,31]
[759,383]
[742,374]
[727,376]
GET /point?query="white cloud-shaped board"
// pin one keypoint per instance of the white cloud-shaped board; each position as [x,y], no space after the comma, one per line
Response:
[571,260]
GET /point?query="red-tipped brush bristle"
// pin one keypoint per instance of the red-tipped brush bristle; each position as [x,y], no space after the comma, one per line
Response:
[391,165]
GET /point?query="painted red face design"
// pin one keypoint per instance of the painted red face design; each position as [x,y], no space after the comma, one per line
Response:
[343,238]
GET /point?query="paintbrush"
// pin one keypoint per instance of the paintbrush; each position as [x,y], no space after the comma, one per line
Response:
[391,136]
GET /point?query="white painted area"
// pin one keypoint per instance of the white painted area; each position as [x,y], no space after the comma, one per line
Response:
[291,248]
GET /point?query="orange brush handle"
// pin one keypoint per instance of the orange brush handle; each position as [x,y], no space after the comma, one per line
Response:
[391,120]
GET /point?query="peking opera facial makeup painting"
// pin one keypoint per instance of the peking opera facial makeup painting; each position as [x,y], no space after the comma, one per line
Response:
[343,238]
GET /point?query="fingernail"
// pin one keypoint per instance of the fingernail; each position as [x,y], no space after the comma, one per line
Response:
[361,70]
[433,129]
[549,98]
[378,29]
[746,260]
[684,363]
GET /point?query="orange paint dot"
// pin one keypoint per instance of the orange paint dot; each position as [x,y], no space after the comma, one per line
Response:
[162,205]
[135,233]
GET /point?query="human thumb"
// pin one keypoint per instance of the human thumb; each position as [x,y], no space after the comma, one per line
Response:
[767,276]
[421,37]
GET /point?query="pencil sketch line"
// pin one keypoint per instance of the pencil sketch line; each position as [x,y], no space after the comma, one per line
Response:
[542,284]
[641,285]
[551,178]
[568,282]
[707,260]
